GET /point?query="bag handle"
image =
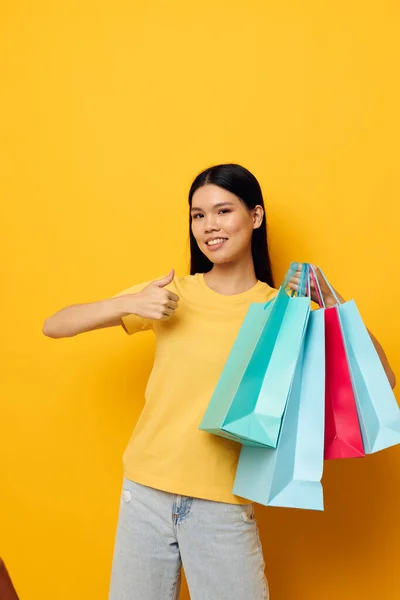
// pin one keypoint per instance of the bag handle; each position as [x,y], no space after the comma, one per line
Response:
[317,287]
[330,287]
[307,283]
[308,273]
[291,271]
[304,284]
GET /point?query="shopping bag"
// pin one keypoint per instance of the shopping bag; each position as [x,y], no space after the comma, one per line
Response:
[247,405]
[238,359]
[342,428]
[377,408]
[290,475]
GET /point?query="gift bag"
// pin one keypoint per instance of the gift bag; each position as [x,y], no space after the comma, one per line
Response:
[239,357]
[290,475]
[376,404]
[248,405]
[342,429]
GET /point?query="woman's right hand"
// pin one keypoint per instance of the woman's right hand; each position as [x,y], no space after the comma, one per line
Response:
[154,302]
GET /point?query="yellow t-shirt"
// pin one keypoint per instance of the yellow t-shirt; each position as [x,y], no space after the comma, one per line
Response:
[167,450]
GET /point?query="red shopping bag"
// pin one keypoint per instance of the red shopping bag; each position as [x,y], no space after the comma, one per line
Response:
[343,437]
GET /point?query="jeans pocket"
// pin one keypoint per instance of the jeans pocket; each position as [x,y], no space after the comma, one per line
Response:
[248,513]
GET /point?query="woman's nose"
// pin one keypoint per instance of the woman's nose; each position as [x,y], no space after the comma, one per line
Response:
[211,224]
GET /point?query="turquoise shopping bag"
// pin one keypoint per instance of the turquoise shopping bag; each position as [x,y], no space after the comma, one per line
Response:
[378,411]
[377,407]
[229,381]
[250,398]
[290,475]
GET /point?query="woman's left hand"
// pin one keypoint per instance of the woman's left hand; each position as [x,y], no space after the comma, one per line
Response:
[326,292]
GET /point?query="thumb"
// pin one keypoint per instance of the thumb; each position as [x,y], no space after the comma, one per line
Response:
[165,280]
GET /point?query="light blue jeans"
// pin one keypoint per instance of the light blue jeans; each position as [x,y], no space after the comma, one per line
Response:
[217,544]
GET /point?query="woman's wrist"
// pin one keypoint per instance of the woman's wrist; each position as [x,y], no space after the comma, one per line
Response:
[123,305]
[330,301]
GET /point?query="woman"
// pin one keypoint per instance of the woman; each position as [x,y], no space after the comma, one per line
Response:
[177,505]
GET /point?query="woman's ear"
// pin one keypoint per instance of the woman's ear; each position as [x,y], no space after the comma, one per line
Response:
[258,215]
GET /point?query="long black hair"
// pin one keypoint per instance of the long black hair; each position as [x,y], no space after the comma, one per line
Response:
[242,183]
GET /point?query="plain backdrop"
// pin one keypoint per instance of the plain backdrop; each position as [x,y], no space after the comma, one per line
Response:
[107,113]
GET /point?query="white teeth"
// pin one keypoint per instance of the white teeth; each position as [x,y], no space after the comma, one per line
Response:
[214,242]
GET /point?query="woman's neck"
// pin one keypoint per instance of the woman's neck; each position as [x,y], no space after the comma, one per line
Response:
[230,279]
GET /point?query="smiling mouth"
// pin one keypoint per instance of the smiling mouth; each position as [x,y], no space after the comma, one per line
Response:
[216,242]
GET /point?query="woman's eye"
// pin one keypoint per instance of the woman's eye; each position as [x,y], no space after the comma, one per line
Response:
[197,216]
[224,210]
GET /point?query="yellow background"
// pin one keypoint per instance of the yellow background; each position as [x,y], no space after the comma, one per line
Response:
[108,111]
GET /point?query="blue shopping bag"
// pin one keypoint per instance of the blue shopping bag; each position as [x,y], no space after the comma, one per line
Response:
[290,475]
[248,405]
[377,407]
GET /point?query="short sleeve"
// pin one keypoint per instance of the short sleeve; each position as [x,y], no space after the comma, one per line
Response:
[133,323]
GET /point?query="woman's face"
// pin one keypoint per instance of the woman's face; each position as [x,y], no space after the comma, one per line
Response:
[222,224]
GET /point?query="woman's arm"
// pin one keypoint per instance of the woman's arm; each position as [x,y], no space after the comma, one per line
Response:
[79,318]
[388,370]
[153,302]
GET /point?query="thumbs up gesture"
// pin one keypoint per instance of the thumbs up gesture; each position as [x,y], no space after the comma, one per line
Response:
[154,301]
